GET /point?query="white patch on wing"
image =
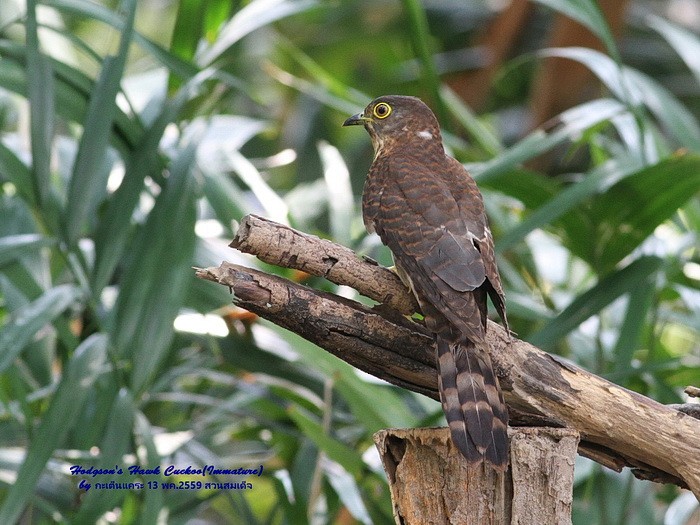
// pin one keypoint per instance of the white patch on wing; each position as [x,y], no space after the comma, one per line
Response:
[425,134]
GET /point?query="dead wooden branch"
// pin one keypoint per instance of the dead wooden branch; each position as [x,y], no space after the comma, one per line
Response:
[283,246]
[618,427]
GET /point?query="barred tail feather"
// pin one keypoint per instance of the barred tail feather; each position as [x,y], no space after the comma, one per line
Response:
[473,403]
[449,395]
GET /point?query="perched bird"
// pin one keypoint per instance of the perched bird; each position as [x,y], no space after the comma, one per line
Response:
[428,210]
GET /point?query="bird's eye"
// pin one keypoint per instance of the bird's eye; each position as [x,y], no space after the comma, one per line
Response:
[382,110]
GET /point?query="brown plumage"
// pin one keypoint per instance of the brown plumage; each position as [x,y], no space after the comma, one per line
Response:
[428,210]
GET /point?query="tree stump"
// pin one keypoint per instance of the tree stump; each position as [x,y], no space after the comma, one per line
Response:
[432,483]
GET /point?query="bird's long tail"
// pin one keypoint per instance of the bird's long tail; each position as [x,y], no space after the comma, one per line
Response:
[473,402]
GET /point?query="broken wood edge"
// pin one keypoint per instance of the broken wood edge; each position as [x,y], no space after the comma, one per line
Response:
[541,471]
[430,482]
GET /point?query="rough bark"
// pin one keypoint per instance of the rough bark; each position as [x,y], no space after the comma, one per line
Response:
[538,488]
[542,470]
[282,246]
[618,427]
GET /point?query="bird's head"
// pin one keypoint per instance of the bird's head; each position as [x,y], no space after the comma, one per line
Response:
[398,120]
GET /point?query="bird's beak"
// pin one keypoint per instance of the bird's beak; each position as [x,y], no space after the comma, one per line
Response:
[356,120]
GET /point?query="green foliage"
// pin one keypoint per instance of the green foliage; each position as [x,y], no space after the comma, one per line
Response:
[126,159]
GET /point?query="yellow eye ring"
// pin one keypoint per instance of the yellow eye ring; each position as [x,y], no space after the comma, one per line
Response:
[382,110]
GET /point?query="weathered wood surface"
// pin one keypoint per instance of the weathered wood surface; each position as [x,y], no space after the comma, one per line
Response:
[536,489]
[618,427]
[542,473]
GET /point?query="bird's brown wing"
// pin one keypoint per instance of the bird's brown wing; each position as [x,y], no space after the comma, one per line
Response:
[417,216]
[466,194]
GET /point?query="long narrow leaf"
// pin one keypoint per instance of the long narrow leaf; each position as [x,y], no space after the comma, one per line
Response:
[149,458]
[322,77]
[113,230]
[594,300]
[640,302]
[25,322]
[587,13]
[13,246]
[156,281]
[188,28]
[635,88]
[114,446]
[340,197]
[569,198]
[88,9]
[347,490]
[274,206]
[420,38]
[352,387]
[572,123]
[479,133]
[254,15]
[684,42]
[85,187]
[72,92]
[41,107]
[336,450]
[631,210]
[81,373]
[14,170]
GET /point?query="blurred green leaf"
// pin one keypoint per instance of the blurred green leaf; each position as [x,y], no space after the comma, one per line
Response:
[570,198]
[595,299]
[682,509]
[684,42]
[321,77]
[115,225]
[227,200]
[587,13]
[346,489]
[115,445]
[631,210]
[41,107]
[419,33]
[320,92]
[159,273]
[14,170]
[81,372]
[356,391]
[254,15]
[24,323]
[478,132]
[341,205]
[348,458]
[148,458]
[634,324]
[13,246]
[275,208]
[570,124]
[88,9]
[86,188]
[636,88]
[72,93]
[188,28]
[274,88]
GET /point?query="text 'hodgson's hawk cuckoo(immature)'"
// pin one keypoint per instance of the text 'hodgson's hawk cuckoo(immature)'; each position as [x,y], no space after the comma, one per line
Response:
[428,210]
